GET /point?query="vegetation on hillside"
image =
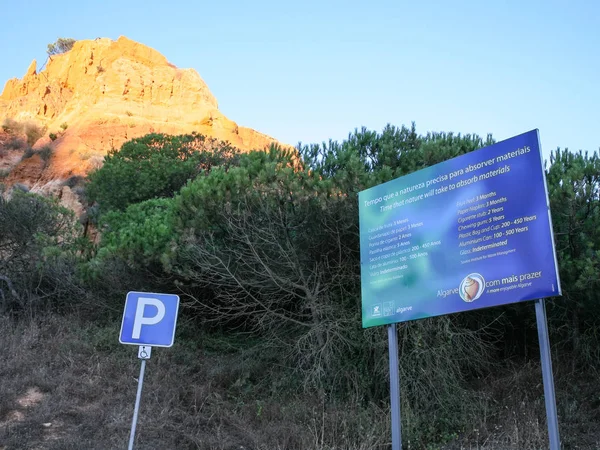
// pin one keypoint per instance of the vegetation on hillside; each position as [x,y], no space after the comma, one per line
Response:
[62,45]
[39,242]
[154,166]
[30,129]
[263,249]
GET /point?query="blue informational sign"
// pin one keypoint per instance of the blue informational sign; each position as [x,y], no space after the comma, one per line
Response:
[471,232]
[149,319]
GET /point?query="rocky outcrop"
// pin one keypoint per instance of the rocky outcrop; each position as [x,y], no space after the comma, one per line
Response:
[102,93]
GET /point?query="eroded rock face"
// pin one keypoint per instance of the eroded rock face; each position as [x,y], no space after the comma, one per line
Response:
[103,93]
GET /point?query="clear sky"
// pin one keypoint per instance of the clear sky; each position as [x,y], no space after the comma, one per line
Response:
[314,70]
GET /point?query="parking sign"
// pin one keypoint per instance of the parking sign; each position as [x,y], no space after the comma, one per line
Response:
[149,319]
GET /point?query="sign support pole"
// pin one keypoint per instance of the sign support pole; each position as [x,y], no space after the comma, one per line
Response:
[156,329]
[144,354]
[395,387]
[549,395]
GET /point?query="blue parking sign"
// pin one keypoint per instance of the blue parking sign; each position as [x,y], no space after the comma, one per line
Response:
[149,319]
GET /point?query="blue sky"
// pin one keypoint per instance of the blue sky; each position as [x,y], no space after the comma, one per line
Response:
[314,70]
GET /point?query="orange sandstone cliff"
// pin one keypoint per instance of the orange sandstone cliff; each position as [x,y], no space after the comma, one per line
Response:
[99,95]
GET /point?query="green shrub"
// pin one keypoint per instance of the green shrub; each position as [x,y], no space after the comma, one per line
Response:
[140,234]
[11,126]
[52,136]
[15,143]
[73,181]
[45,152]
[64,126]
[154,166]
[62,45]
[28,153]
[33,133]
[38,238]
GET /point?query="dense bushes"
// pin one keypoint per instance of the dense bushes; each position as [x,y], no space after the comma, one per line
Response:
[574,191]
[139,235]
[265,245]
[39,243]
[11,126]
[154,166]
[32,130]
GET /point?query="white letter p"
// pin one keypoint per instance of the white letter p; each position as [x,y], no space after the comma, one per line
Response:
[139,315]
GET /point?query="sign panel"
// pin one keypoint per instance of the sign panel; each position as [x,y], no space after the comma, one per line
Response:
[469,233]
[144,352]
[149,319]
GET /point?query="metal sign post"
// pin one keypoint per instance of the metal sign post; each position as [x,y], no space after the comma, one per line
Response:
[149,319]
[395,387]
[549,395]
[144,353]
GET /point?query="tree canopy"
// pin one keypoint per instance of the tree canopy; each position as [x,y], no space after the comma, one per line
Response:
[154,166]
[61,45]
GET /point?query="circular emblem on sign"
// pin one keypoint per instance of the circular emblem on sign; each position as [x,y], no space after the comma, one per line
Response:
[471,287]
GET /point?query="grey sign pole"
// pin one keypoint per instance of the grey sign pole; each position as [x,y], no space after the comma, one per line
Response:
[144,353]
[395,387]
[549,395]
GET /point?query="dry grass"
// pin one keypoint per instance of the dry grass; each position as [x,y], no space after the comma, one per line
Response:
[84,382]
[69,384]
[517,417]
